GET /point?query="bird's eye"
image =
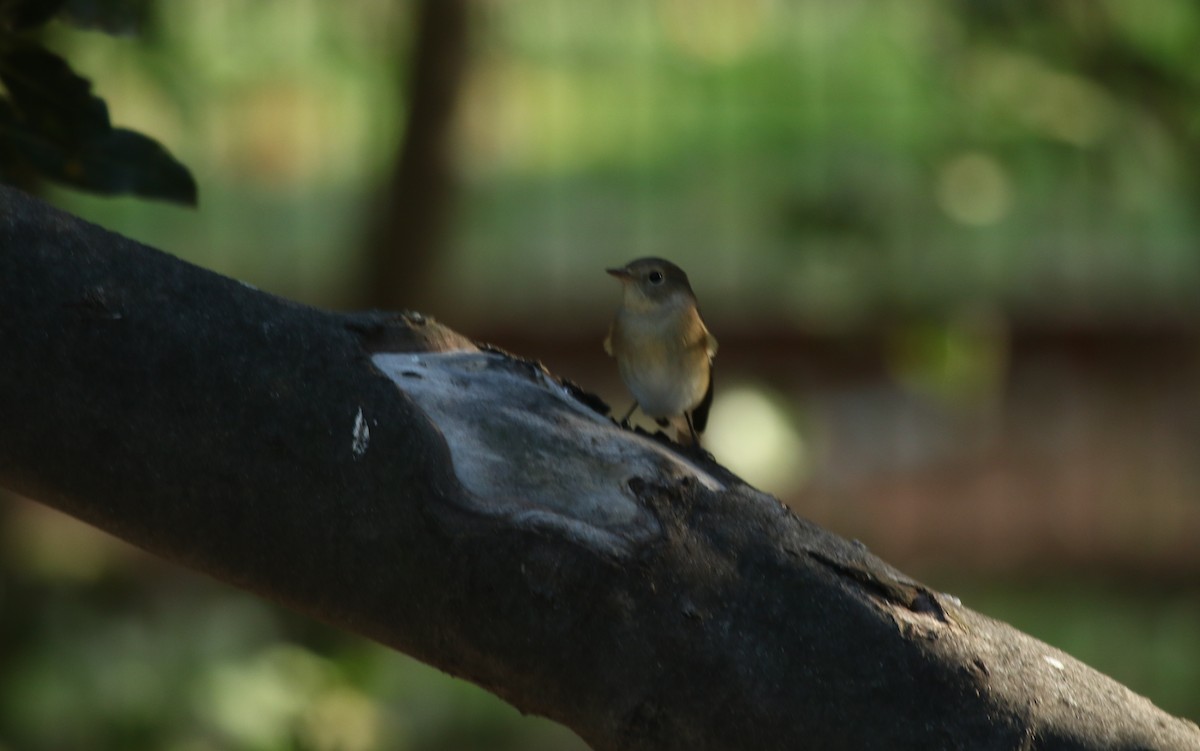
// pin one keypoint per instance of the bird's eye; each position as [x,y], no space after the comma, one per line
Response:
[655,277]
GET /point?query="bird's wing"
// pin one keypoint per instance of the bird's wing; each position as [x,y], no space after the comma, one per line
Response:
[608,341]
[710,345]
[700,413]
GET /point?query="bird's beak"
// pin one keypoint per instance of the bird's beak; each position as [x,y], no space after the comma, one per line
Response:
[622,274]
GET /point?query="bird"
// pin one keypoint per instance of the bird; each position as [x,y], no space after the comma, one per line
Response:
[664,351]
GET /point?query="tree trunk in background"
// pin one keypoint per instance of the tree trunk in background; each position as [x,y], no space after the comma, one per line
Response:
[409,227]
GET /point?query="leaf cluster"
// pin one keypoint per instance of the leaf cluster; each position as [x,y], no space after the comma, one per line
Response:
[52,125]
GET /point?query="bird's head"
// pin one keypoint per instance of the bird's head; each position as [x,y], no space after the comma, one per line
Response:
[652,282]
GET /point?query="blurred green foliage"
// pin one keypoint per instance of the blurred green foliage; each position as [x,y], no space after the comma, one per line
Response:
[822,161]
[946,167]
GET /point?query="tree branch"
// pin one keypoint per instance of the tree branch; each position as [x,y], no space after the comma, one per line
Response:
[385,475]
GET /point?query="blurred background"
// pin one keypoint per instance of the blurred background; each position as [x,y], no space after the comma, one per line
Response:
[948,248]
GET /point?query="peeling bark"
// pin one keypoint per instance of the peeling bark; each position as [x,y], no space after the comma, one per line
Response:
[385,475]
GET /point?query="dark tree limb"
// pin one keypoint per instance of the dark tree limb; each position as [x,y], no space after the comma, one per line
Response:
[385,475]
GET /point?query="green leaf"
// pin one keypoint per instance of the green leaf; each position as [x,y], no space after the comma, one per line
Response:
[53,125]
[120,17]
[118,161]
[51,97]
[112,16]
[28,14]
[124,161]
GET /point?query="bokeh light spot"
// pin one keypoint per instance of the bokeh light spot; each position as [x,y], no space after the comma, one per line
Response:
[752,434]
[713,31]
[973,189]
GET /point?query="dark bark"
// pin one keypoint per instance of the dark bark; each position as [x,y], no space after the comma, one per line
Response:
[408,230]
[464,507]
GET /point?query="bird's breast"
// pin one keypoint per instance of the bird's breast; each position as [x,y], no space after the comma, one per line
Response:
[663,359]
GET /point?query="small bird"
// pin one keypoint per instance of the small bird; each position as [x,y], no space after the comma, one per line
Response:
[664,351]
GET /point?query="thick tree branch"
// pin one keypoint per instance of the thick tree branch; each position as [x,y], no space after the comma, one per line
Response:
[461,505]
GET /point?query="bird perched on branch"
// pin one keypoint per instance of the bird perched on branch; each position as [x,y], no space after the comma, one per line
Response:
[664,351]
